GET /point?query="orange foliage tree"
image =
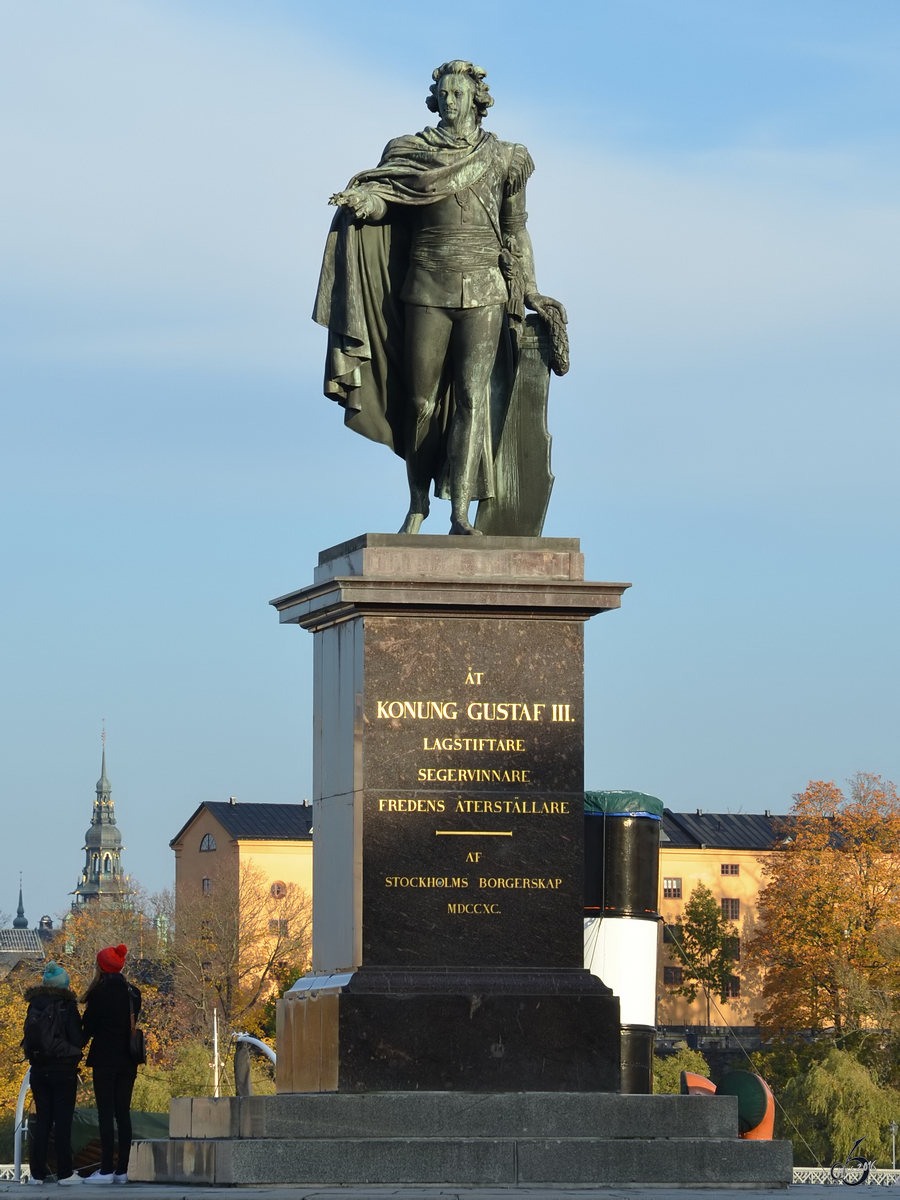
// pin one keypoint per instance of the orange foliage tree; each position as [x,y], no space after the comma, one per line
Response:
[235,945]
[830,913]
[12,1018]
[138,921]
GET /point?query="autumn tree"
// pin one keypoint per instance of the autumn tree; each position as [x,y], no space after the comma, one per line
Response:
[12,1019]
[133,918]
[233,945]
[141,922]
[704,942]
[829,917]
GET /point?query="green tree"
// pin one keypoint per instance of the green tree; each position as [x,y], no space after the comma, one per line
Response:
[704,944]
[667,1070]
[837,1100]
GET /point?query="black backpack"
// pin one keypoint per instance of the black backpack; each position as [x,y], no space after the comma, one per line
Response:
[45,1039]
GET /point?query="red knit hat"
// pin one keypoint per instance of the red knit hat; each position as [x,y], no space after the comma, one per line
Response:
[112,958]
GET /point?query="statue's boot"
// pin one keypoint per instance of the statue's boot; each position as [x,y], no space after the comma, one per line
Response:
[462,484]
[412,522]
[418,473]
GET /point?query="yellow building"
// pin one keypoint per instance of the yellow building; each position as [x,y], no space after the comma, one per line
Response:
[219,838]
[725,852]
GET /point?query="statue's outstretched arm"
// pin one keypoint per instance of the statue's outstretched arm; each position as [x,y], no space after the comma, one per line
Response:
[365,205]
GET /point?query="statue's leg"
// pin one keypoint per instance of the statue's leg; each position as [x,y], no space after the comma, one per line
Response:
[427,338]
[476,334]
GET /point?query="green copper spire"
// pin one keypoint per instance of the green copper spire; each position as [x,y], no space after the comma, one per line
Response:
[103,786]
[102,879]
[21,921]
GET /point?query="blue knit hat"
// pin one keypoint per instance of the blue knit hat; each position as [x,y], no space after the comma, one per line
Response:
[55,976]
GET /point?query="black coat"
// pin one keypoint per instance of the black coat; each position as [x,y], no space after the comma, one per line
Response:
[40,998]
[107,1022]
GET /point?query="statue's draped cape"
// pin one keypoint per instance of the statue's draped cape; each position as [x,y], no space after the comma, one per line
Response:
[363,271]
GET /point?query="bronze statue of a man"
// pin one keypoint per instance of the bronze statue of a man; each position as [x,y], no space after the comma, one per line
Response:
[426,275]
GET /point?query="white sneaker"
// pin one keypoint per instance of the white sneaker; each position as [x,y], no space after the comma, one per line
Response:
[120,1178]
[99,1177]
[70,1180]
[32,1182]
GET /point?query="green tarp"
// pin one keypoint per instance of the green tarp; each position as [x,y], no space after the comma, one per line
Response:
[143,1125]
[622,802]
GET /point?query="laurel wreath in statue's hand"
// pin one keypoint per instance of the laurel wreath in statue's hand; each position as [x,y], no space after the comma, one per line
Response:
[553,314]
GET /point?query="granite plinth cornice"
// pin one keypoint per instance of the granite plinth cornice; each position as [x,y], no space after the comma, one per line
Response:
[343,597]
[402,574]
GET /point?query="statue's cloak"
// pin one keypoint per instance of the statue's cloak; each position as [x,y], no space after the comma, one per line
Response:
[363,272]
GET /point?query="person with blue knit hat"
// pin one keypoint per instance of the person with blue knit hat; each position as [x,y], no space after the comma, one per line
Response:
[53,1045]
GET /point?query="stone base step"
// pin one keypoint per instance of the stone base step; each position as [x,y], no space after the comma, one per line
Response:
[502,1139]
[454,1114]
[485,1161]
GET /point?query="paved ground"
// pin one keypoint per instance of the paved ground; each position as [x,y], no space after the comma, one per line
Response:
[139,1191]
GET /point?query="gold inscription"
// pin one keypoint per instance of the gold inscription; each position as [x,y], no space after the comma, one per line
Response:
[509,745]
[418,710]
[560,712]
[411,806]
[529,807]
[477,710]
[475,677]
[516,884]
[426,881]
[480,711]
[479,909]
[472,775]
[473,856]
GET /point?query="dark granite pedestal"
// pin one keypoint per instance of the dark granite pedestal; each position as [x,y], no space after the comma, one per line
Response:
[448,822]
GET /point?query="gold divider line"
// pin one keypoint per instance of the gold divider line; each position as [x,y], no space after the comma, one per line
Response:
[469,833]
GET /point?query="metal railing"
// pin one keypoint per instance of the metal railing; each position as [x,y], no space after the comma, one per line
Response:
[255,1041]
[878,1177]
[19,1129]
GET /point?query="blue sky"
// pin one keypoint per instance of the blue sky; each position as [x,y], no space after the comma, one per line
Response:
[716,201]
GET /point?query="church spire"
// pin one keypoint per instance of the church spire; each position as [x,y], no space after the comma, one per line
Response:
[102,879]
[21,921]
[103,789]
[103,786]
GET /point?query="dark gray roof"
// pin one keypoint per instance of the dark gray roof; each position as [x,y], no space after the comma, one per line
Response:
[275,822]
[21,941]
[721,831]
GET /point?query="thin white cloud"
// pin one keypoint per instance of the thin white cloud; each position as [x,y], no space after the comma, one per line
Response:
[166,178]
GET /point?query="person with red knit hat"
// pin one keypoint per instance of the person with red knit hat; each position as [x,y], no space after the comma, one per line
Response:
[111,1006]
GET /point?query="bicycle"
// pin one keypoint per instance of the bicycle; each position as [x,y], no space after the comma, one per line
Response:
[854,1169]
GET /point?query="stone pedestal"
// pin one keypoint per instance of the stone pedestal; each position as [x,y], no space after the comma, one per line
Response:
[448,822]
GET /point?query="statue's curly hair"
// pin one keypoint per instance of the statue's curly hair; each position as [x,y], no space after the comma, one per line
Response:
[458,66]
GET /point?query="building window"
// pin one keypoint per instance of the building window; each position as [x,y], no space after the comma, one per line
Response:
[278,926]
[208,843]
[672,889]
[671,934]
[673,976]
[731,948]
[733,988]
[731,910]
[278,889]
[731,869]
[207,887]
